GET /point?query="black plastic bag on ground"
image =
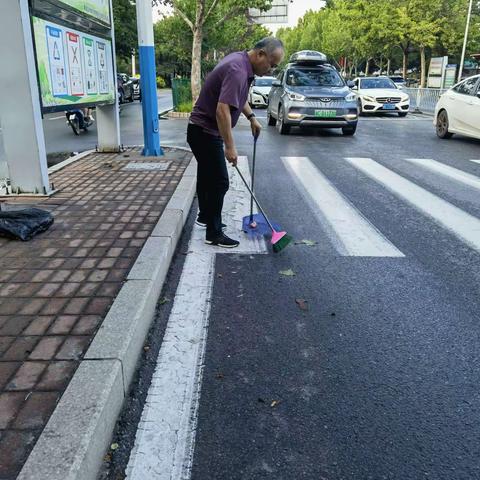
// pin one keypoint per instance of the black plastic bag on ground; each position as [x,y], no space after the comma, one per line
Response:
[24,224]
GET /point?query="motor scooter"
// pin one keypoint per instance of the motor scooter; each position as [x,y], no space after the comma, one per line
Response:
[77,120]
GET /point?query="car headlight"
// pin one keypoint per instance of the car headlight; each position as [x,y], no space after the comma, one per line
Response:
[405,98]
[368,99]
[296,96]
[257,93]
[350,97]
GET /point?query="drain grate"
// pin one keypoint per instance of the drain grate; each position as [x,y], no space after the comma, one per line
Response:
[147,166]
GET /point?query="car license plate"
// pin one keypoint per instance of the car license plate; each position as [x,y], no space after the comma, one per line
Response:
[388,106]
[326,113]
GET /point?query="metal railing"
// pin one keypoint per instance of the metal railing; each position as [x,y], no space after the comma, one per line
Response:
[181,91]
[424,99]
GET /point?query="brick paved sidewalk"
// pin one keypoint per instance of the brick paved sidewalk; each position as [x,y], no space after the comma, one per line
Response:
[56,289]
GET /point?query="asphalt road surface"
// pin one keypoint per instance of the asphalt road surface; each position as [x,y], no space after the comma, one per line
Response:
[360,360]
[59,137]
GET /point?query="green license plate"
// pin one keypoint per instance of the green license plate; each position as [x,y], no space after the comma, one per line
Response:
[326,113]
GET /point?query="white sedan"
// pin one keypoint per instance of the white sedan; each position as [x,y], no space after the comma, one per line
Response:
[380,94]
[259,91]
[458,110]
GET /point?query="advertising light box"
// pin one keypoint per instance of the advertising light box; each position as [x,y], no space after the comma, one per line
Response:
[74,67]
[99,9]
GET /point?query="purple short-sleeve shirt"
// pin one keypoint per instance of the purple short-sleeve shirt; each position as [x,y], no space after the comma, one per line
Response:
[228,83]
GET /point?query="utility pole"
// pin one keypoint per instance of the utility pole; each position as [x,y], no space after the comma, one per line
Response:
[460,70]
[148,79]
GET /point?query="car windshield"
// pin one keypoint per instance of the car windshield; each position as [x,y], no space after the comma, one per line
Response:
[314,77]
[263,82]
[376,83]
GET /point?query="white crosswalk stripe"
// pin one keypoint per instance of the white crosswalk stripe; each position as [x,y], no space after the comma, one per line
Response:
[165,438]
[354,234]
[447,171]
[460,223]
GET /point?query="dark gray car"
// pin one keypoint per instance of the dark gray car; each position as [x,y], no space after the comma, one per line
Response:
[311,93]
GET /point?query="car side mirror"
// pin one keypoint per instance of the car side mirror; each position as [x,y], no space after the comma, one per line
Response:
[276,83]
[351,84]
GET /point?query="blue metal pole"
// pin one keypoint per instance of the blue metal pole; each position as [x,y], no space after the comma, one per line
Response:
[148,79]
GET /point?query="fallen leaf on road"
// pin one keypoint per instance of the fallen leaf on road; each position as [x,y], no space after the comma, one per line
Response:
[163,301]
[146,348]
[219,275]
[309,243]
[302,304]
[287,273]
[113,446]
[220,375]
[275,403]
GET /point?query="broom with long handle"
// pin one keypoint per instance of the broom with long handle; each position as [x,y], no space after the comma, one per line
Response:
[279,240]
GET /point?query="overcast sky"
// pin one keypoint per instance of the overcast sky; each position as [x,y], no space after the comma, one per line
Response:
[296,10]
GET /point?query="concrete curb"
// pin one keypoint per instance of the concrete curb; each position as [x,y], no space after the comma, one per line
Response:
[68,161]
[73,443]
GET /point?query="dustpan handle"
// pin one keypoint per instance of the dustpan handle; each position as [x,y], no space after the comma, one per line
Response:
[253,175]
[254,198]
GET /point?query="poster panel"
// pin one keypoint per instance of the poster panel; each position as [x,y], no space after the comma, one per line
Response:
[74,67]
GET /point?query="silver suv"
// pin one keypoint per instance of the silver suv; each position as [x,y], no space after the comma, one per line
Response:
[310,93]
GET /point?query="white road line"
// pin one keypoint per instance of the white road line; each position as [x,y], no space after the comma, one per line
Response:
[58,118]
[353,234]
[460,223]
[476,161]
[447,171]
[164,443]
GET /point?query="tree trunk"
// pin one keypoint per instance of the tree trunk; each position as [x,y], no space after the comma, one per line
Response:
[381,64]
[388,66]
[422,67]
[405,62]
[196,71]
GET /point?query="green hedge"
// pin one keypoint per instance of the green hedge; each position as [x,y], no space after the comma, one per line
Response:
[181,93]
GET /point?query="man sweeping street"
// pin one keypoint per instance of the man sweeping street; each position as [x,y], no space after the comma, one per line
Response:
[221,101]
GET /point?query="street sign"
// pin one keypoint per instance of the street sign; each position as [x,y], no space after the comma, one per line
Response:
[436,72]
[450,76]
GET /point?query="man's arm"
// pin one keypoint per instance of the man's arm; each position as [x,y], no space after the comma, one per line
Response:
[254,123]
[224,122]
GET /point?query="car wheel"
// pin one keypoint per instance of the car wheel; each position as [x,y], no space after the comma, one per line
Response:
[442,125]
[270,119]
[349,130]
[402,114]
[281,127]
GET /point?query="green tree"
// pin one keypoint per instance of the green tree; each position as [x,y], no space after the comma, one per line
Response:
[173,43]
[125,23]
[203,17]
